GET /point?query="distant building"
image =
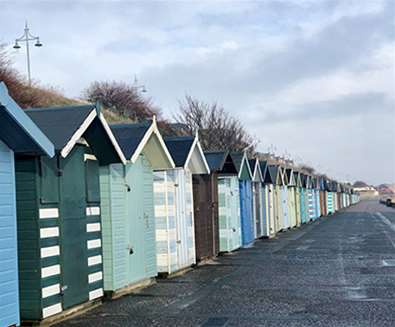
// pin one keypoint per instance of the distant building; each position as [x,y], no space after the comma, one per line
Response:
[366,192]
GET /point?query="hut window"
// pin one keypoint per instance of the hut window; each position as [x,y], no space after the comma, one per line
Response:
[49,181]
[92,181]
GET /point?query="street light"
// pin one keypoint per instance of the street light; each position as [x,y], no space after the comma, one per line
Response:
[27,37]
[139,87]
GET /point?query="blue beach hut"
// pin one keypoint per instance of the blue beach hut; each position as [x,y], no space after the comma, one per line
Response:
[246,197]
[18,135]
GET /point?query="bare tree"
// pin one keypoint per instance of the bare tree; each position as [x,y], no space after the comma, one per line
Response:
[218,130]
[122,99]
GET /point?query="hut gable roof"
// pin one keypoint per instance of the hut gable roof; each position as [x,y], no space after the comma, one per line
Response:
[186,151]
[220,161]
[263,169]
[284,176]
[275,174]
[65,126]
[257,175]
[17,129]
[290,176]
[242,165]
[143,137]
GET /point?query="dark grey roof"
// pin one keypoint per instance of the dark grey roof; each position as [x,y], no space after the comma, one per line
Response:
[273,172]
[129,136]
[220,161]
[237,158]
[263,166]
[60,124]
[216,159]
[179,148]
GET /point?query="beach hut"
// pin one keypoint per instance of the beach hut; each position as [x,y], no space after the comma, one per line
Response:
[205,196]
[303,199]
[174,205]
[316,188]
[58,212]
[228,199]
[18,136]
[284,198]
[298,185]
[276,178]
[246,197]
[329,198]
[269,201]
[311,210]
[258,196]
[323,197]
[291,201]
[127,206]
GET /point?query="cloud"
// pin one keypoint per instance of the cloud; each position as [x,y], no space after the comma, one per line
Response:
[285,68]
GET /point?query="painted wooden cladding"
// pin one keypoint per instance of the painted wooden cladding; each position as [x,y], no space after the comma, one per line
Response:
[329,203]
[298,213]
[129,247]
[60,257]
[268,210]
[9,296]
[291,206]
[165,221]
[113,190]
[303,205]
[175,234]
[317,203]
[246,212]
[284,203]
[311,211]
[205,195]
[229,213]
[278,209]
[258,204]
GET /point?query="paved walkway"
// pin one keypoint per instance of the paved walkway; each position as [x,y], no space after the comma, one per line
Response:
[337,271]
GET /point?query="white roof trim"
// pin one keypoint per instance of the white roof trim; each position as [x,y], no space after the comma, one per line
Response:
[153,129]
[248,166]
[78,134]
[81,130]
[194,144]
[112,138]
[258,166]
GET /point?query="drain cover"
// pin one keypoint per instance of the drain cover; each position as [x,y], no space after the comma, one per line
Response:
[215,322]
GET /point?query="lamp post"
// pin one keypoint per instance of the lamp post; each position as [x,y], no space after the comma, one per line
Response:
[27,37]
[137,87]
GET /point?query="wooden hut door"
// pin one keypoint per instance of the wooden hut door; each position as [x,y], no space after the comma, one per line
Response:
[203,225]
[184,219]
[257,210]
[136,222]
[74,255]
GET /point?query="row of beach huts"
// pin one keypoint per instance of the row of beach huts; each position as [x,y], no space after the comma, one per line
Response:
[89,210]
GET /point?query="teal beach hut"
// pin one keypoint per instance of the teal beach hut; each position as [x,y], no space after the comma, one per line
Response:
[18,136]
[129,245]
[59,221]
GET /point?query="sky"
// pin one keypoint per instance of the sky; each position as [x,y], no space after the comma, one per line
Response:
[311,79]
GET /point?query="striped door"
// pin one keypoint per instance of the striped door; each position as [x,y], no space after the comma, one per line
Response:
[311,204]
[165,222]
